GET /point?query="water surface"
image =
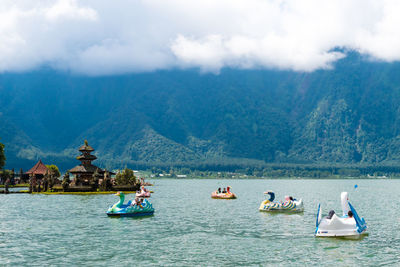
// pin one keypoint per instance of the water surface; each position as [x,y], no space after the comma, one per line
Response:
[190,228]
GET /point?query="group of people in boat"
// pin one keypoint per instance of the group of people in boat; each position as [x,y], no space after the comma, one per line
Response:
[287,200]
[224,190]
[138,202]
[332,212]
[139,199]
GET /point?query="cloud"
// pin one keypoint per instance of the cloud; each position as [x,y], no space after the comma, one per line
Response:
[100,37]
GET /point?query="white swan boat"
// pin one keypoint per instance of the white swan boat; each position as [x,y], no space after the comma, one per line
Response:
[290,204]
[348,225]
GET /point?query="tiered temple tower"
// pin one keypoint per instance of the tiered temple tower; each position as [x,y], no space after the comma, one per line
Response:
[84,172]
[86,158]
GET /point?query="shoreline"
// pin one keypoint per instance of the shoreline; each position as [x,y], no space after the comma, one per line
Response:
[66,193]
[276,178]
[79,193]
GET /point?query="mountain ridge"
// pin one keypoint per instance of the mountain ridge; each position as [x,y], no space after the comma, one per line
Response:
[349,115]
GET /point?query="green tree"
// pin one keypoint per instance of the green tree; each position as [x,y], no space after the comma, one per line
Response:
[2,156]
[54,170]
[66,181]
[5,175]
[126,177]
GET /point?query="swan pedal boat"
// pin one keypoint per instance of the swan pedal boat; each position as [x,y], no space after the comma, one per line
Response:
[288,206]
[343,226]
[120,209]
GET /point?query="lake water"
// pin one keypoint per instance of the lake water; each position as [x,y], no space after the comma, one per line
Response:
[190,228]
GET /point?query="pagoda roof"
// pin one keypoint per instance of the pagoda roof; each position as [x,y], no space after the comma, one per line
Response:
[39,168]
[86,147]
[85,169]
[88,157]
[88,169]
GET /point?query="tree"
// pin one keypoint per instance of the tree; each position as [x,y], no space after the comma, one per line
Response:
[126,177]
[45,181]
[66,181]
[54,170]
[5,175]
[2,156]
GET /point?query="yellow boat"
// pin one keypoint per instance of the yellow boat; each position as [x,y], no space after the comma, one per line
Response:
[227,195]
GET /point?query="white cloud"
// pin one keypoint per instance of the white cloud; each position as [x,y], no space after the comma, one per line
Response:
[99,37]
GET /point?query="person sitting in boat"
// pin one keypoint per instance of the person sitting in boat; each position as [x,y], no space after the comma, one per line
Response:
[288,200]
[144,189]
[141,202]
[330,214]
[350,215]
[219,190]
[138,202]
[228,190]
[224,191]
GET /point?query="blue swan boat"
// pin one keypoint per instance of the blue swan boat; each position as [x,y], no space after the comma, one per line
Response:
[130,209]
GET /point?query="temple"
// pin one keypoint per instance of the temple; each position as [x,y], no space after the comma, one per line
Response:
[83,173]
[38,171]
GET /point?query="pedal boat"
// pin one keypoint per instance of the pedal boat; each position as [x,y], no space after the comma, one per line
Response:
[143,193]
[120,209]
[344,226]
[288,206]
[227,195]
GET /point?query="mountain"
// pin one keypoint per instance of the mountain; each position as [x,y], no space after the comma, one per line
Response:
[349,114]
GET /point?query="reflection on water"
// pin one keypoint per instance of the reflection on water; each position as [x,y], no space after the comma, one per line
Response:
[16,189]
[190,228]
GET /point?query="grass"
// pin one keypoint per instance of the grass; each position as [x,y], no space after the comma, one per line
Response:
[17,185]
[81,193]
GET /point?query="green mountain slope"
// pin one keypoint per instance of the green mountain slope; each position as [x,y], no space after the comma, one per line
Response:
[349,114]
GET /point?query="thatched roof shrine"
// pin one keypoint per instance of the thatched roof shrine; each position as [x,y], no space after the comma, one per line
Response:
[38,169]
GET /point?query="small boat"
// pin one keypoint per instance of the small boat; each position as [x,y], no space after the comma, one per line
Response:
[348,225]
[227,195]
[143,192]
[290,204]
[130,209]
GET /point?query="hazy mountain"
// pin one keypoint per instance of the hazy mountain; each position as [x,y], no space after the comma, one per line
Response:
[349,114]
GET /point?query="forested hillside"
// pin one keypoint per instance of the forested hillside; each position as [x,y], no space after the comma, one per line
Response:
[349,114]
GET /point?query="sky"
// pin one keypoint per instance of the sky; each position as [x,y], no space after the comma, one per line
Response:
[103,37]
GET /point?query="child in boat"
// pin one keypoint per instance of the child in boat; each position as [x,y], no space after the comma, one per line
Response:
[224,191]
[228,190]
[219,190]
